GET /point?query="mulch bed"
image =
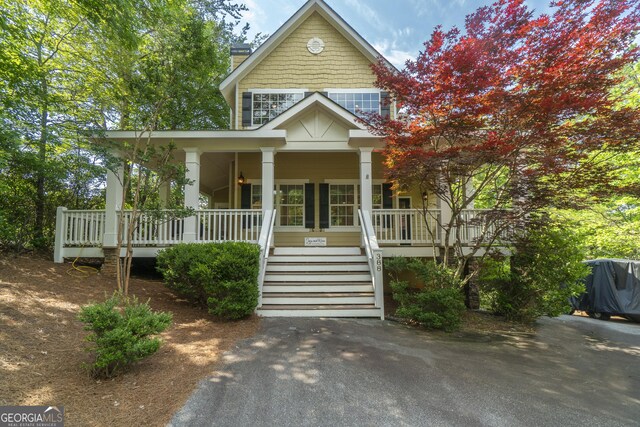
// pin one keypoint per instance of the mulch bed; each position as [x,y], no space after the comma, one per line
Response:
[42,347]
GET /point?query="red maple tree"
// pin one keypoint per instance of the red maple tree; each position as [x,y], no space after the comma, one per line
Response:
[513,111]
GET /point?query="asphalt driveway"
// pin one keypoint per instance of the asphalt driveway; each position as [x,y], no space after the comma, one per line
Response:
[308,372]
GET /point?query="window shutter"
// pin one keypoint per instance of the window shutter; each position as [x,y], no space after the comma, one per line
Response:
[245,196]
[325,94]
[324,205]
[387,203]
[387,196]
[385,105]
[246,109]
[309,206]
[308,94]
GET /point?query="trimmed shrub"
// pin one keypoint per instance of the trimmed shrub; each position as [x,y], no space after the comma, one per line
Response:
[435,300]
[221,277]
[122,333]
[545,270]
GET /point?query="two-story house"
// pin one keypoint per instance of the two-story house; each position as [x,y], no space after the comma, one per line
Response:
[297,173]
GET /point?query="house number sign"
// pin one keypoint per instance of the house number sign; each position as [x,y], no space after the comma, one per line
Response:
[315,241]
[315,45]
[378,261]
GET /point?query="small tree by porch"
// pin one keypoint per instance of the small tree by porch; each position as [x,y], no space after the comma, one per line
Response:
[139,182]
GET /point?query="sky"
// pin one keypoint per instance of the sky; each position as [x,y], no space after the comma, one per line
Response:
[395,28]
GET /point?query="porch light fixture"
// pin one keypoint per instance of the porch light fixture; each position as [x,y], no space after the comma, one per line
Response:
[240,179]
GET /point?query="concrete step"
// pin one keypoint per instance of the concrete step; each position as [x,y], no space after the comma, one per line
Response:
[350,310]
[317,259]
[322,267]
[317,251]
[280,287]
[317,298]
[300,277]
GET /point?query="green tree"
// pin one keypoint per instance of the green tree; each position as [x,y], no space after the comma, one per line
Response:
[69,67]
[39,95]
[610,227]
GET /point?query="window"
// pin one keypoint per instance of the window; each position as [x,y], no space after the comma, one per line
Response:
[291,207]
[266,106]
[357,102]
[343,202]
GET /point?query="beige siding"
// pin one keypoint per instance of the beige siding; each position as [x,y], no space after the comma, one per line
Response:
[292,66]
[220,196]
[316,167]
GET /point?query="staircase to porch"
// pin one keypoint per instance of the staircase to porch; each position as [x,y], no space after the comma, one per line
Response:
[318,282]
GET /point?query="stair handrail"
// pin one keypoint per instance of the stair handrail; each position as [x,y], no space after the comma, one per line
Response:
[265,239]
[374,257]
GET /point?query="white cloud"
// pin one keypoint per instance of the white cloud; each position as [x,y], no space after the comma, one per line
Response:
[367,13]
[393,54]
[255,17]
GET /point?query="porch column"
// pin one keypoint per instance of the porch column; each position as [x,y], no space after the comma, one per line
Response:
[366,192]
[191,192]
[268,154]
[445,218]
[113,204]
[468,191]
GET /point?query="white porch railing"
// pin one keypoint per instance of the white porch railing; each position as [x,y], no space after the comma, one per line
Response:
[266,237]
[159,230]
[86,228]
[475,224]
[374,258]
[406,226]
[81,227]
[221,225]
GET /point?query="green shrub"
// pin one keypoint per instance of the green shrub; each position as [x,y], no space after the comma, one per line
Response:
[122,333]
[435,300]
[545,270]
[221,277]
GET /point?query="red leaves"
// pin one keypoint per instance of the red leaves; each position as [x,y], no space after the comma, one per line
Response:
[515,87]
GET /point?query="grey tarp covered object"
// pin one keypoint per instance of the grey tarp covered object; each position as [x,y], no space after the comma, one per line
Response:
[612,288]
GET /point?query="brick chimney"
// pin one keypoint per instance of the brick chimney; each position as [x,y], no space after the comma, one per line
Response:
[239,52]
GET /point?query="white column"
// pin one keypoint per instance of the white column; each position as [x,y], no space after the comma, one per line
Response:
[445,218]
[468,191]
[232,185]
[191,192]
[164,191]
[58,249]
[366,191]
[112,206]
[268,154]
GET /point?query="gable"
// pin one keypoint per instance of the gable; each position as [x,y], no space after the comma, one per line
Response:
[315,126]
[291,65]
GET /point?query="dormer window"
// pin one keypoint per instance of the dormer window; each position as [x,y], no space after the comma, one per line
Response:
[267,105]
[358,102]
